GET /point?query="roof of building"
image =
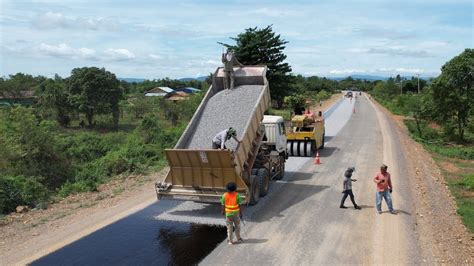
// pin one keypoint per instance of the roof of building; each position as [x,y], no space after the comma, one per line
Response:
[189,90]
[160,90]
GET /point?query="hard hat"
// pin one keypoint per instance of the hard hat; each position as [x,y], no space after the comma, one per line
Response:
[231,132]
[231,186]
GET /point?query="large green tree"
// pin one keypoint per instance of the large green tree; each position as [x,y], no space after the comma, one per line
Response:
[263,46]
[453,94]
[95,91]
[53,100]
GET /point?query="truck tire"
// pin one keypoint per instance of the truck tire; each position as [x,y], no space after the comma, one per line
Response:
[254,190]
[263,181]
[281,166]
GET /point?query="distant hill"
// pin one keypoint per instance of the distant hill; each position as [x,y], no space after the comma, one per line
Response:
[360,77]
[191,79]
[130,80]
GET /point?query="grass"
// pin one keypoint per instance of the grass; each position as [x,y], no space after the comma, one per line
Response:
[456,162]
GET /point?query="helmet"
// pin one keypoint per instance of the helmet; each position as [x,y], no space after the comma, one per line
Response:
[231,132]
[231,186]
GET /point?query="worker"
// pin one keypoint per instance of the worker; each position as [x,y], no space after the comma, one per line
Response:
[218,142]
[320,117]
[347,189]
[229,61]
[309,114]
[231,201]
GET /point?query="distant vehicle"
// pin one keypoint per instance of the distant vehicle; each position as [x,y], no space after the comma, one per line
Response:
[349,94]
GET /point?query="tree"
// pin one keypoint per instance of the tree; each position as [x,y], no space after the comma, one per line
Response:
[453,95]
[54,100]
[95,91]
[262,46]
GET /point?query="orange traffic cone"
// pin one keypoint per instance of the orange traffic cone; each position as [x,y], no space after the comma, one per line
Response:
[316,159]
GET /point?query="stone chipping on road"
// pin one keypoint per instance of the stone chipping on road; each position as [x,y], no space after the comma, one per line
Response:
[227,108]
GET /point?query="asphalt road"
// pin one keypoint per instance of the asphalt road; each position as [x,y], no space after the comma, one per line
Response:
[301,222]
[298,222]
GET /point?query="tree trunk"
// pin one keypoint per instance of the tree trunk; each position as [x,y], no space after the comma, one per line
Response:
[90,118]
[418,126]
[116,116]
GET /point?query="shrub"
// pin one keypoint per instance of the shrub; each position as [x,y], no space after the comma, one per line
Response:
[21,190]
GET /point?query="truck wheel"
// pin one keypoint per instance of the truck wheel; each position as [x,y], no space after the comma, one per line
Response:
[263,181]
[254,190]
[282,168]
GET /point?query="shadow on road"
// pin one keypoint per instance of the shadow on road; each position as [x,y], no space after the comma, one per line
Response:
[299,176]
[327,151]
[252,241]
[290,196]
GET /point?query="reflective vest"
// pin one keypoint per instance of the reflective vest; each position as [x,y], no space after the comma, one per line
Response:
[230,202]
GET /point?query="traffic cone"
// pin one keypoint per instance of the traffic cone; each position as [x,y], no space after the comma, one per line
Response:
[316,159]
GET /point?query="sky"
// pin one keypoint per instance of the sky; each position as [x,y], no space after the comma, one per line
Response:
[177,39]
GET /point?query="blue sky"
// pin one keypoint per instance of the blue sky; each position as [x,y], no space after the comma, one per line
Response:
[157,39]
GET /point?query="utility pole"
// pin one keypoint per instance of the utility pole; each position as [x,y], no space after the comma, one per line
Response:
[401,86]
[418,83]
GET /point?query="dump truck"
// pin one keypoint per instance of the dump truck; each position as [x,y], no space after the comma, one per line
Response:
[305,135]
[199,173]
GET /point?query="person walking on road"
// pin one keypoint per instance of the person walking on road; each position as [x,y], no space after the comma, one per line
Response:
[231,201]
[229,60]
[384,189]
[347,188]
[219,140]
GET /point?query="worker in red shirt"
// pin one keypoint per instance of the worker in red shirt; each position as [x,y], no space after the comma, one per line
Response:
[384,189]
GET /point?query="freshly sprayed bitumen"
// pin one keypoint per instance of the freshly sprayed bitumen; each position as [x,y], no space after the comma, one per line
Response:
[227,108]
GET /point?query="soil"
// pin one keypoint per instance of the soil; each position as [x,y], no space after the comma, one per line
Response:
[28,236]
[439,228]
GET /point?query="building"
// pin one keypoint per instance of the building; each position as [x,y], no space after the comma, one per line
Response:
[176,96]
[159,91]
[189,90]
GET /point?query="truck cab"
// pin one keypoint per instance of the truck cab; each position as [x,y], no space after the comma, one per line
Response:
[275,134]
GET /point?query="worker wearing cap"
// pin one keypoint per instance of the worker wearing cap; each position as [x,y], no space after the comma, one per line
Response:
[229,61]
[218,142]
[384,189]
[231,201]
[347,188]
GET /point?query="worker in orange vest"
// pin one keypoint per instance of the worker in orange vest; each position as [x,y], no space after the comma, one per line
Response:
[231,201]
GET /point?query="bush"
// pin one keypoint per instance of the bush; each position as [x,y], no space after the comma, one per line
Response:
[21,190]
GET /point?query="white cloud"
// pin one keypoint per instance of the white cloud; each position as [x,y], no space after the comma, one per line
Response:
[155,56]
[65,51]
[273,12]
[120,54]
[346,71]
[52,20]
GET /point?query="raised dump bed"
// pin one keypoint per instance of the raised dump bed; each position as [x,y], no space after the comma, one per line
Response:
[199,173]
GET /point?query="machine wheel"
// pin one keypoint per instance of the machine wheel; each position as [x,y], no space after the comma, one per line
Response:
[263,181]
[254,190]
[300,148]
[281,168]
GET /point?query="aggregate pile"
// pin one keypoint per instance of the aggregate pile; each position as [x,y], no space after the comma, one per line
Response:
[227,108]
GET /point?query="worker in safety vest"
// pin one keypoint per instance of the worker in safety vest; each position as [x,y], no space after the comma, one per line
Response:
[231,201]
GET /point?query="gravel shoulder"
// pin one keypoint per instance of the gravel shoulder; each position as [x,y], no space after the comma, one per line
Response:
[440,231]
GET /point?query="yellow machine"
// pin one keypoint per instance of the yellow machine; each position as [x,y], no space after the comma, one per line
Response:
[305,136]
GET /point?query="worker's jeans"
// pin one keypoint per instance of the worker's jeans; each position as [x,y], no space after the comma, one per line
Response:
[388,199]
[232,221]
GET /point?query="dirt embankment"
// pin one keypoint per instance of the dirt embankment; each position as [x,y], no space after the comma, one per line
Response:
[27,236]
[439,228]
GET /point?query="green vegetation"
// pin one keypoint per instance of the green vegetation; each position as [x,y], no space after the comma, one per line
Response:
[441,118]
[48,151]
